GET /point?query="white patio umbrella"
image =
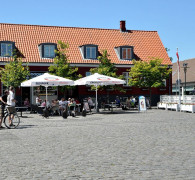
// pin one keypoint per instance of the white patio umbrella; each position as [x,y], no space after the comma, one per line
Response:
[98,79]
[47,80]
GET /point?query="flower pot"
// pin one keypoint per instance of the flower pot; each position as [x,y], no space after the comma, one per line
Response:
[188,107]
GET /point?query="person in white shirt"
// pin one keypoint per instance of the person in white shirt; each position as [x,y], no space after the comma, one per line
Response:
[90,103]
[38,101]
[11,97]
[11,102]
[63,104]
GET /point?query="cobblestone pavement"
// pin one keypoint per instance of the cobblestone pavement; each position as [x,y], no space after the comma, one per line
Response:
[128,145]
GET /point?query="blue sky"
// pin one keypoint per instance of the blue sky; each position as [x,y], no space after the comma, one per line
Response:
[173,19]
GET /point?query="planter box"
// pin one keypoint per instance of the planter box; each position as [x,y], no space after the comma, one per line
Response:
[173,106]
[189,108]
[162,105]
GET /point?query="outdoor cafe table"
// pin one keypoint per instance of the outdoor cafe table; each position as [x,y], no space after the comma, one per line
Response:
[21,109]
[111,106]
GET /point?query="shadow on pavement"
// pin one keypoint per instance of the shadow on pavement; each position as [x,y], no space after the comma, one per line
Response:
[25,126]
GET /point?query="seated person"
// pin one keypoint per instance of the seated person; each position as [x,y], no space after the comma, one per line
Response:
[77,101]
[132,102]
[90,102]
[72,102]
[55,107]
[38,101]
[63,104]
[128,102]
[117,101]
[44,104]
[26,102]
[72,105]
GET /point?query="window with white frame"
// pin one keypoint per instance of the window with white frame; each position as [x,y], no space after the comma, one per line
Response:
[6,49]
[126,76]
[164,82]
[49,51]
[91,52]
[126,53]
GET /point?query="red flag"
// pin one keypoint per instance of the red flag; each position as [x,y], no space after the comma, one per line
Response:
[178,59]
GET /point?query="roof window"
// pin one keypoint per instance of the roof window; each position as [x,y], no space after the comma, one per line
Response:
[6,48]
[124,52]
[89,51]
[47,50]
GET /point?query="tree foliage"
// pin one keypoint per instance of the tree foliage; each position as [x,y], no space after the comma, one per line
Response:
[107,68]
[149,74]
[14,73]
[61,66]
[167,49]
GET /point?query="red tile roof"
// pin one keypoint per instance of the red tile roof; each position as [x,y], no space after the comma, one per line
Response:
[146,44]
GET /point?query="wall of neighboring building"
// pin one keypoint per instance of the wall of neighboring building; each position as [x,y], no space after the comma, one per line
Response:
[190,77]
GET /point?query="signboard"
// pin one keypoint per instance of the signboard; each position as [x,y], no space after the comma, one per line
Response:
[142,103]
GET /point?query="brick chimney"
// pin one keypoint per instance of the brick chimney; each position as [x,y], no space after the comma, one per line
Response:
[122,26]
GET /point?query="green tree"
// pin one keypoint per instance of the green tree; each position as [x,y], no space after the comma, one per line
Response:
[107,68]
[167,49]
[14,72]
[149,74]
[61,66]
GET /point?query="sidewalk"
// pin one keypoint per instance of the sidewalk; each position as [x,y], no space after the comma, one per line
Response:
[156,144]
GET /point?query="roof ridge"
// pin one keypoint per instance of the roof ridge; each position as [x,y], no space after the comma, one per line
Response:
[72,27]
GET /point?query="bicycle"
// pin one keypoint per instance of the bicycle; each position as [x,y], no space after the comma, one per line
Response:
[15,120]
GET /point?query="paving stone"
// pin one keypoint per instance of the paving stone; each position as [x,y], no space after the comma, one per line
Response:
[154,145]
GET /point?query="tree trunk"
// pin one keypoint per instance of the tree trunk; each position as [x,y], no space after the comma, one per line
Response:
[150,100]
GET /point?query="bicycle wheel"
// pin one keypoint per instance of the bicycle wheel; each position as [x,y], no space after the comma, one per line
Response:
[15,121]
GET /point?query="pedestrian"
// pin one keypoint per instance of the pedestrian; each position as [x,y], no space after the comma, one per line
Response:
[11,97]
[11,102]
[3,100]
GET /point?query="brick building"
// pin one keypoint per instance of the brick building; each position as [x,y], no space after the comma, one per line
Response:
[36,43]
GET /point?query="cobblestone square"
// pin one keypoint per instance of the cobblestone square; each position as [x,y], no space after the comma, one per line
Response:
[128,145]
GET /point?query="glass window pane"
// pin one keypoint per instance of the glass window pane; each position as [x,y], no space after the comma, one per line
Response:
[3,49]
[52,53]
[126,76]
[87,52]
[6,49]
[93,49]
[124,53]
[129,53]
[88,73]
[46,51]
[9,49]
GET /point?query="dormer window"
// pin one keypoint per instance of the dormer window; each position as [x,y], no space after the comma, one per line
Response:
[124,52]
[6,48]
[47,50]
[89,51]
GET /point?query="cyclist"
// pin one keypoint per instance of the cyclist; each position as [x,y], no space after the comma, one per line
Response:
[3,100]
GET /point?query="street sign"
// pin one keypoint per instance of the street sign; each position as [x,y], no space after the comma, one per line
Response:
[178,81]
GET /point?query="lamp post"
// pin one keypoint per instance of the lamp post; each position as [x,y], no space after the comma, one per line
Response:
[185,66]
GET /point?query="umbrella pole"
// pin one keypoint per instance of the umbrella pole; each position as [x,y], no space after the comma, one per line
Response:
[46,96]
[96,99]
